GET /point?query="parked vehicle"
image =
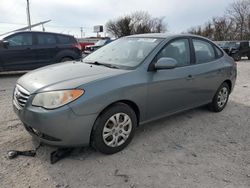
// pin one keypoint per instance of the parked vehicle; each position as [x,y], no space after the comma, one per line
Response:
[237,49]
[100,100]
[90,48]
[84,44]
[28,50]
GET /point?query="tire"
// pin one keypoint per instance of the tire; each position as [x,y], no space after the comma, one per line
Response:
[66,59]
[248,57]
[110,137]
[237,57]
[220,99]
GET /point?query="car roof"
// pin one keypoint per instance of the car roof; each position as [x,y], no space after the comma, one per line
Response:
[39,32]
[165,35]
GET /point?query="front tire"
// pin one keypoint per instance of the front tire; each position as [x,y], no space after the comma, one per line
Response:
[220,99]
[114,129]
[237,57]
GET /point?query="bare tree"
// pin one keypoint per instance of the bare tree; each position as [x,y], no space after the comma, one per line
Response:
[136,23]
[239,12]
[208,30]
[234,25]
[223,28]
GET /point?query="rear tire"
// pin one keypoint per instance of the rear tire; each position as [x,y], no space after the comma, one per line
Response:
[66,59]
[114,129]
[220,99]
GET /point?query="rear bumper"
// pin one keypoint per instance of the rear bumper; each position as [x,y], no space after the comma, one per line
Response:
[59,127]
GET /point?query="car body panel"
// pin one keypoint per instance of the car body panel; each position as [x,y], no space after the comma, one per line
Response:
[155,93]
[55,77]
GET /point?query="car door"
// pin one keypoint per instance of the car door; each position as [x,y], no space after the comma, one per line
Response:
[19,54]
[46,48]
[171,90]
[208,72]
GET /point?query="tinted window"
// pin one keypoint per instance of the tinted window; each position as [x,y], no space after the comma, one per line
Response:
[178,50]
[45,39]
[23,39]
[204,51]
[64,39]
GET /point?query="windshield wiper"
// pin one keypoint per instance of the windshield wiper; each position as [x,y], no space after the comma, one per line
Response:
[103,64]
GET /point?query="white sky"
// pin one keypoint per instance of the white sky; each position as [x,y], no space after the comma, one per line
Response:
[69,15]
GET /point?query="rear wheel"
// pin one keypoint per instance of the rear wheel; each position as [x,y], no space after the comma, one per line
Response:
[220,99]
[66,59]
[248,57]
[114,129]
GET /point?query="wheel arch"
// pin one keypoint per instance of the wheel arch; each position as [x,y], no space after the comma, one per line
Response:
[130,103]
[69,57]
[229,83]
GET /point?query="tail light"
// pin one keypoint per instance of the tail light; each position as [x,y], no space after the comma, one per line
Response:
[78,46]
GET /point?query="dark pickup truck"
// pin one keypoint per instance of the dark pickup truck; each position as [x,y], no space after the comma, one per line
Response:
[237,49]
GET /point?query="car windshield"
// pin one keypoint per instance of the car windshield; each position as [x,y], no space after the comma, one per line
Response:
[100,42]
[220,43]
[232,45]
[125,52]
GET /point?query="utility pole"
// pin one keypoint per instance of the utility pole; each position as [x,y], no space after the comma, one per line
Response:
[81,32]
[28,14]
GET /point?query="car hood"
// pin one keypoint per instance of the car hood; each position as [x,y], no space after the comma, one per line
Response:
[67,75]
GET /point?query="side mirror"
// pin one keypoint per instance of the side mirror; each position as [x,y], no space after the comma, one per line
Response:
[165,63]
[6,44]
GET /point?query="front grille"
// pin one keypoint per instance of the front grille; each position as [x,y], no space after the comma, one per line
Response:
[21,96]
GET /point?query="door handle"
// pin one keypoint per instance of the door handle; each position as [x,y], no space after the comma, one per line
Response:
[189,77]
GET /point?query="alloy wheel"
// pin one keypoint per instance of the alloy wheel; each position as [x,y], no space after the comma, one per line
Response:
[117,130]
[222,97]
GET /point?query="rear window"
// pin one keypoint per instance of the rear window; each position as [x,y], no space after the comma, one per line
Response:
[45,39]
[204,51]
[65,39]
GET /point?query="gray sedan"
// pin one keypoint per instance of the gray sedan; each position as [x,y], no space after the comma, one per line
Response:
[100,100]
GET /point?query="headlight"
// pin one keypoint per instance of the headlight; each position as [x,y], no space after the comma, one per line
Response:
[55,99]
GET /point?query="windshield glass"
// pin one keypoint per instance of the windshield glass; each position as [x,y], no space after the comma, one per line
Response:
[124,52]
[232,45]
[100,43]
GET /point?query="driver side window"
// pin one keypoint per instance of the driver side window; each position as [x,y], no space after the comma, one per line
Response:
[178,50]
[24,39]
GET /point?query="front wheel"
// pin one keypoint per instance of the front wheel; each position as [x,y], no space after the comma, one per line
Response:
[220,99]
[114,129]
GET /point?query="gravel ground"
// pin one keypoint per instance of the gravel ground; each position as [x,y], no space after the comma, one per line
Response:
[196,148]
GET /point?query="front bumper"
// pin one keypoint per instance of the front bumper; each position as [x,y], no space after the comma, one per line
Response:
[59,127]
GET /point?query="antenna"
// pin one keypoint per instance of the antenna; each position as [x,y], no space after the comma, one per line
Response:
[28,15]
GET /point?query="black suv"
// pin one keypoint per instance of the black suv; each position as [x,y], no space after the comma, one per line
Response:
[237,50]
[29,50]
